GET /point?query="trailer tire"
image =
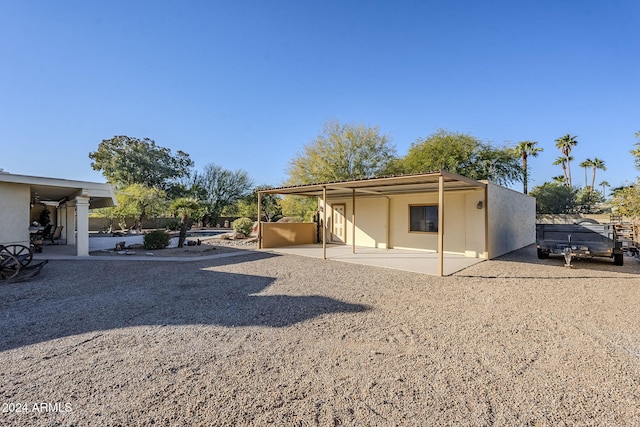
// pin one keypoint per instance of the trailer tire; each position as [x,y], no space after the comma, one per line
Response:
[586,221]
[618,259]
[542,254]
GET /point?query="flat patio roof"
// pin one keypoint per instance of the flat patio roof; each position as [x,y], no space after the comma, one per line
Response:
[390,185]
[58,190]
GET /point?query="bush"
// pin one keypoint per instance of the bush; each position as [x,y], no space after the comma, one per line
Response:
[173,225]
[156,240]
[243,225]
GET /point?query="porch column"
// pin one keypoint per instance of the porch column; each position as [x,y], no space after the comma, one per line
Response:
[388,215]
[353,222]
[441,226]
[70,224]
[259,220]
[82,220]
[486,222]
[324,222]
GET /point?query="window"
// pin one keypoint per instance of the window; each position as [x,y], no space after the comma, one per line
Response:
[423,218]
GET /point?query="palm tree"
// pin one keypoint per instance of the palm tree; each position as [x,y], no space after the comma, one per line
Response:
[596,164]
[565,144]
[586,164]
[184,207]
[562,161]
[524,149]
[604,184]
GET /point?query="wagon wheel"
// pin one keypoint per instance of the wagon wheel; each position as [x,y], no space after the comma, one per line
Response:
[22,253]
[9,266]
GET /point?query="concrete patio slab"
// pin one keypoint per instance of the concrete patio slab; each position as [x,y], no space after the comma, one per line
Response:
[399,259]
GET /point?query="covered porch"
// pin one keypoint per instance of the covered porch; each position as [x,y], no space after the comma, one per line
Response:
[441,216]
[370,202]
[67,204]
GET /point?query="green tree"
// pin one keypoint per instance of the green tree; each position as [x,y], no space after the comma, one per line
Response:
[248,206]
[626,200]
[635,152]
[141,202]
[125,160]
[218,188]
[524,149]
[342,152]
[299,207]
[604,184]
[184,208]
[135,201]
[554,198]
[564,161]
[464,155]
[565,144]
[586,164]
[587,200]
[596,163]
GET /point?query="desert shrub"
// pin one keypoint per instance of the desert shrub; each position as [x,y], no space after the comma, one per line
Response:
[291,219]
[243,225]
[156,240]
[173,225]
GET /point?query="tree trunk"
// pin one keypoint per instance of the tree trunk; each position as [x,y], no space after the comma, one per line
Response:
[183,232]
[526,172]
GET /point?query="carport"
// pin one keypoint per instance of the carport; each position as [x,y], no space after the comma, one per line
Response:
[434,213]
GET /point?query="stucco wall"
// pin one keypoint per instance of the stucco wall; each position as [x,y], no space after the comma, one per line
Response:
[464,222]
[475,224]
[14,211]
[277,234]
[511,220]
[371,223]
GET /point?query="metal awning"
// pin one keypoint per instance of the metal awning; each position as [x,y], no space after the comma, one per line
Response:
[384,186]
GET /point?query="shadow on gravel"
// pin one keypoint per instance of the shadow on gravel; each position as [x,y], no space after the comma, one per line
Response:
[554,266]
[106,296]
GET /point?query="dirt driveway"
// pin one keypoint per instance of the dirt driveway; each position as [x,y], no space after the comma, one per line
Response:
[280,339]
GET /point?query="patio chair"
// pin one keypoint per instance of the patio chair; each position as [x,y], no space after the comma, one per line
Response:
[47,230]
[56,235]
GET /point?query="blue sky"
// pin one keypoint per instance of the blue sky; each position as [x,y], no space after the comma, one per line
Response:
[245,84]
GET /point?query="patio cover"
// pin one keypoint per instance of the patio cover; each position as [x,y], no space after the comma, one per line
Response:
[439,182]
[82,195]
[58,190]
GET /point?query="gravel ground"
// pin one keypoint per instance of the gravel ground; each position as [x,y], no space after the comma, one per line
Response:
[269,339]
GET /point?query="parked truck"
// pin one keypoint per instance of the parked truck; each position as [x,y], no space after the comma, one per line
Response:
[579,241]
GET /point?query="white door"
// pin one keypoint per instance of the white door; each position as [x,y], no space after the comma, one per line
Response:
[339,229]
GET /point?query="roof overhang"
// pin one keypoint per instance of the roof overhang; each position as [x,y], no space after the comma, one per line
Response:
[384,186]
[57,191]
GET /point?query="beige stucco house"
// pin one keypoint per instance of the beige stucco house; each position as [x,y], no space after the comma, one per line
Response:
[435,212]
[23,197]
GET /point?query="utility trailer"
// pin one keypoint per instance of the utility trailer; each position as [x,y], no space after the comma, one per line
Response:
[579,241]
